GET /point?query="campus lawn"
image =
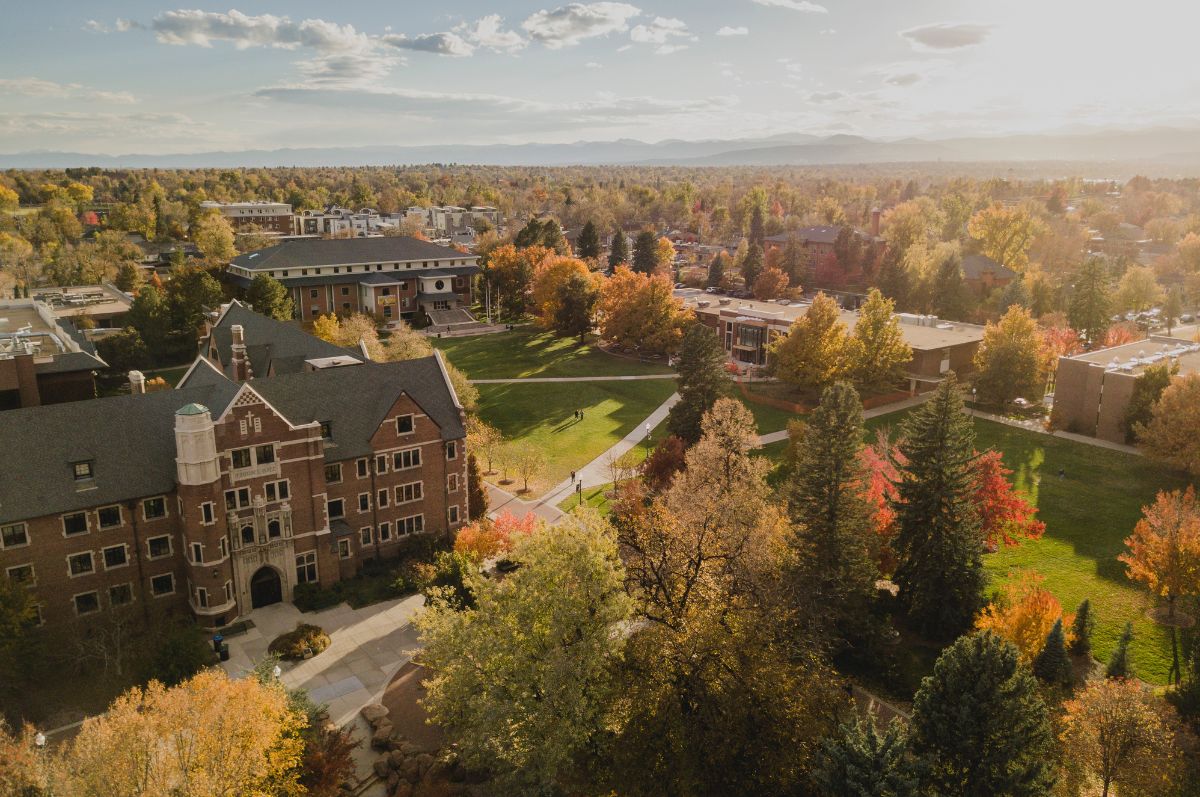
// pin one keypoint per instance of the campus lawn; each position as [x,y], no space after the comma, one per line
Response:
[542,414]
[526,352]
[595,497]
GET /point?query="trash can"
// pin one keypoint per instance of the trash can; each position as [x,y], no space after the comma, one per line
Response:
[223,652]
[217,640]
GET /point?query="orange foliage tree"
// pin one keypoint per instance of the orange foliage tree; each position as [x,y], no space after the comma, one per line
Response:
[881,462]
[1164,549]
[548,278]
[770,284]
[640,311]
[1170,436]
[485,538]
[1024,613]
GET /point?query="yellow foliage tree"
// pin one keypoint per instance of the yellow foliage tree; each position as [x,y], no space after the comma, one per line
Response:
[548,277]
[664,256]
[1005,234]
[1170,436]
[326,327]
[211,735]
[1164,549]
[770,284]
[1023,614]
[813,353]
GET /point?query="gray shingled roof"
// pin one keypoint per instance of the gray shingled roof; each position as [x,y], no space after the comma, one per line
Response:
[130,440]
[71,361]
[974,266]
[311,252]
[354,399]
[274,347]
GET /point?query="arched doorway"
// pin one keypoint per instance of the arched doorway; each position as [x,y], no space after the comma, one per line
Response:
[265,588]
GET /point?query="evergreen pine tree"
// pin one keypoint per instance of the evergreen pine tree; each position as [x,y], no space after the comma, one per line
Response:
[752,266]
[1052,665]
[1119,665]
[716,271]
[794,263]
[1081,630]
[268,296]
[979,726]
[575,315]
[618,253]
[645,252]
[757,233]
[702,380]
[1091,301]
[529,235]
[588,245]
[938,544]
[477,497]
[833,522]
[862,762]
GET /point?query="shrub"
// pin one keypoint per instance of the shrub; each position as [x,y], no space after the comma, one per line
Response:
[312,597]
[178,654]
[293,644]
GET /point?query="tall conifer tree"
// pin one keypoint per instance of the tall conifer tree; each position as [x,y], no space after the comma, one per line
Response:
[702,380]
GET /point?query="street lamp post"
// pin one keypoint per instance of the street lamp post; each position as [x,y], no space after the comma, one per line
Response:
[648,430]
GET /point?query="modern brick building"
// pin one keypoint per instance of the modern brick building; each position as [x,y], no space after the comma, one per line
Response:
[227,493]
[746,328]
[275,218]
[1092,390]
[389,278]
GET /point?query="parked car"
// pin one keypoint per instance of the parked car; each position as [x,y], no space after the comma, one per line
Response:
[712,289]
[1187,318]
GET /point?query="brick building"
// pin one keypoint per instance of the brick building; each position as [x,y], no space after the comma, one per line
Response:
[1092,390]
[274,218]
[389,278]
[227,493]
[44,358]
[982,274]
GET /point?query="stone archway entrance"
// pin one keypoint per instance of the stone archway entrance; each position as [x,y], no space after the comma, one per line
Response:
[265,587]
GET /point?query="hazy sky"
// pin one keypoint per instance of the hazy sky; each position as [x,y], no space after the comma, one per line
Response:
[151,77]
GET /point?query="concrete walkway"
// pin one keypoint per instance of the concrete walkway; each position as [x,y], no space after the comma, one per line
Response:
[500,501]
[367,647]
[596,472]
[570,379]
[874,412]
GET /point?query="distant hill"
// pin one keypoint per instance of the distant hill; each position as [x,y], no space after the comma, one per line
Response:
[1174,147]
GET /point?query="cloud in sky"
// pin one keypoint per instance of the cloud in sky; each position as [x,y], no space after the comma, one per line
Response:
[489,32]
[447,43]
[668,33]
[570,24]
[36,87]
[726,30]
[202,28]
[826,96]
[795,5]
[946,35]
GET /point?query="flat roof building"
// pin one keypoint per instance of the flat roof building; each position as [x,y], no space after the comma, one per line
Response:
[747,327]
[1092,390]
[44,358]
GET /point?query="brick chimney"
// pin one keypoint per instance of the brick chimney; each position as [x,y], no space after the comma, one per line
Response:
[241,364]
[875,214]
[137,382]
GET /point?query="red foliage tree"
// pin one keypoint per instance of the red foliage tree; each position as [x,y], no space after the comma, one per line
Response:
[663,463]
[1006,516]
[487,538]
[881,461]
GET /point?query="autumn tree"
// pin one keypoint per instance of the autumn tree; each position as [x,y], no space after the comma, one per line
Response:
[713,702]
[587,246]
[484,439]
[1023,613]
[979,725]
[510,271]
[832,521]
[1138,289]
[702,380]
[770,284]
[548,278]
[1013,360]
[641,311]
[1005,234]
[1170,435]
[1118,734]
[661,465]
[1005,516]
[214,237]
[326,327]
[527,460]
[523,682]
[940,570]
[813,353]
[877,350]
[1091,301]
[268,296]
[209,735]
[1164,549]
[486,538]
[664,256]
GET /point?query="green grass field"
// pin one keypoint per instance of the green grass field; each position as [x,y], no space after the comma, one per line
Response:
[542,414]
[527,352]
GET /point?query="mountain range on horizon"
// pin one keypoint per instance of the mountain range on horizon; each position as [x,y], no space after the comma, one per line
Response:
[1173,147]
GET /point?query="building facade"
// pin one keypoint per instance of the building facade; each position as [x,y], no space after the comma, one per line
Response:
[274,218]
[225,495]
[390,278]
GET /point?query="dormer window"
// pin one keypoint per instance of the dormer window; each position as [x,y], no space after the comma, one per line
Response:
[326,430]
[82,470]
